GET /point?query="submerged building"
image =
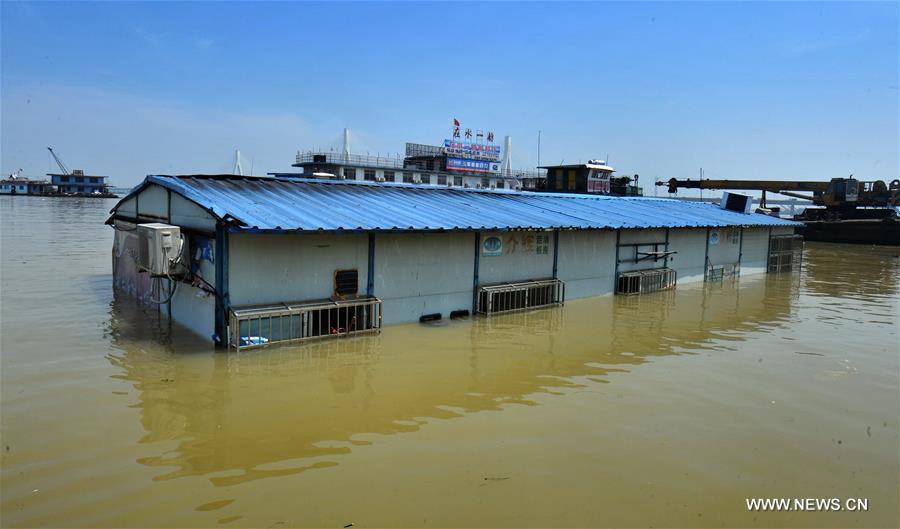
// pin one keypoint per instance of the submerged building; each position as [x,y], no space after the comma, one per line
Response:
[246,261]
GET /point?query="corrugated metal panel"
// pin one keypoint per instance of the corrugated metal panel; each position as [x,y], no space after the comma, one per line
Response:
[315,205]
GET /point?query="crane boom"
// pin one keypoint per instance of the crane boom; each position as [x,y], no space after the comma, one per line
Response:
[773,186]
[62,166]
[835,193]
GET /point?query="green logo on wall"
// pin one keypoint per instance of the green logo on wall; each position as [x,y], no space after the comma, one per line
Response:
[492,246]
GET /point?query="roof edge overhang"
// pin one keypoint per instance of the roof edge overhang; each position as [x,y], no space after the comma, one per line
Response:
[172,183]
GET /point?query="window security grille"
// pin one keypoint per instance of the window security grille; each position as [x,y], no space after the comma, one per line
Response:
[785,253]
[645,281]
[509,297]
[255,326]
[721,272]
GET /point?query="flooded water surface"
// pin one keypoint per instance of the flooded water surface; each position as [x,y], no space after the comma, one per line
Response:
[668,410]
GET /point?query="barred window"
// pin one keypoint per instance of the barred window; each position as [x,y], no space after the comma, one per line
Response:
[407,177]
[350,172]
[457,181]
[442,180]
[389,176]
[369,174]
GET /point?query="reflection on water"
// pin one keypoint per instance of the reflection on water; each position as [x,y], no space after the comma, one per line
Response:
[660,410]
[313,400]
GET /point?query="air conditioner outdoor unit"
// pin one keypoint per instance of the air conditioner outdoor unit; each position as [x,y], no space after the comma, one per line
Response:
[736,202]
[159,247]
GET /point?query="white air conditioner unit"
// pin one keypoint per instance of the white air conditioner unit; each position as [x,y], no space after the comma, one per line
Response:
[417,180]
[736,202]
[159,247]
[380,179]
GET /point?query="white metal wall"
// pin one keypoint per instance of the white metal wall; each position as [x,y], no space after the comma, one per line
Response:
[195,309]
[691,247]
[128,208]
[266,268]
[522,257]
[189,215]
[153,202]
[724,246]
[587,262]
[627,253]
[755,250]
[423,273]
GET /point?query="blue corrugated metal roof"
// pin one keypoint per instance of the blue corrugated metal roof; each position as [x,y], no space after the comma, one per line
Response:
[281,204]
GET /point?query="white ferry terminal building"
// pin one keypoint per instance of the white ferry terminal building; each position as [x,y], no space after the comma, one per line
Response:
[455,163]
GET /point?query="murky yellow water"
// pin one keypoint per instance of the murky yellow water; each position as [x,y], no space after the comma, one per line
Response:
[668,410]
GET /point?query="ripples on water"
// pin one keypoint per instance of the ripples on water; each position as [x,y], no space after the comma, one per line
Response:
[665,410]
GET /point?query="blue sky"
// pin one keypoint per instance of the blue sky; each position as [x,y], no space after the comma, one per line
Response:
[756,90]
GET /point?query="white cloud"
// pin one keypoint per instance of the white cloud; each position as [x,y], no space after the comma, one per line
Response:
[811,46]
[150,37]
[204,43]
[127,136]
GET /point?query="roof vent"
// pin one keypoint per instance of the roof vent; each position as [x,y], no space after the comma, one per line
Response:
[736,202]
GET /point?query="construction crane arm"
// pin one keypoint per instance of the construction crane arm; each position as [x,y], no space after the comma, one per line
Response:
[773,186]
[62,166]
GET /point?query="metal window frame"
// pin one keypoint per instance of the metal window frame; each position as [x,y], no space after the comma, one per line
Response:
[785,253]
[520,296]
[646,281]
[303,321]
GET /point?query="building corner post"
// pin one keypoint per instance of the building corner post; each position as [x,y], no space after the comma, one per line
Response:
[370,268]
[706,257]
[555,254]
[475,279]
[222,300]
[616,269]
